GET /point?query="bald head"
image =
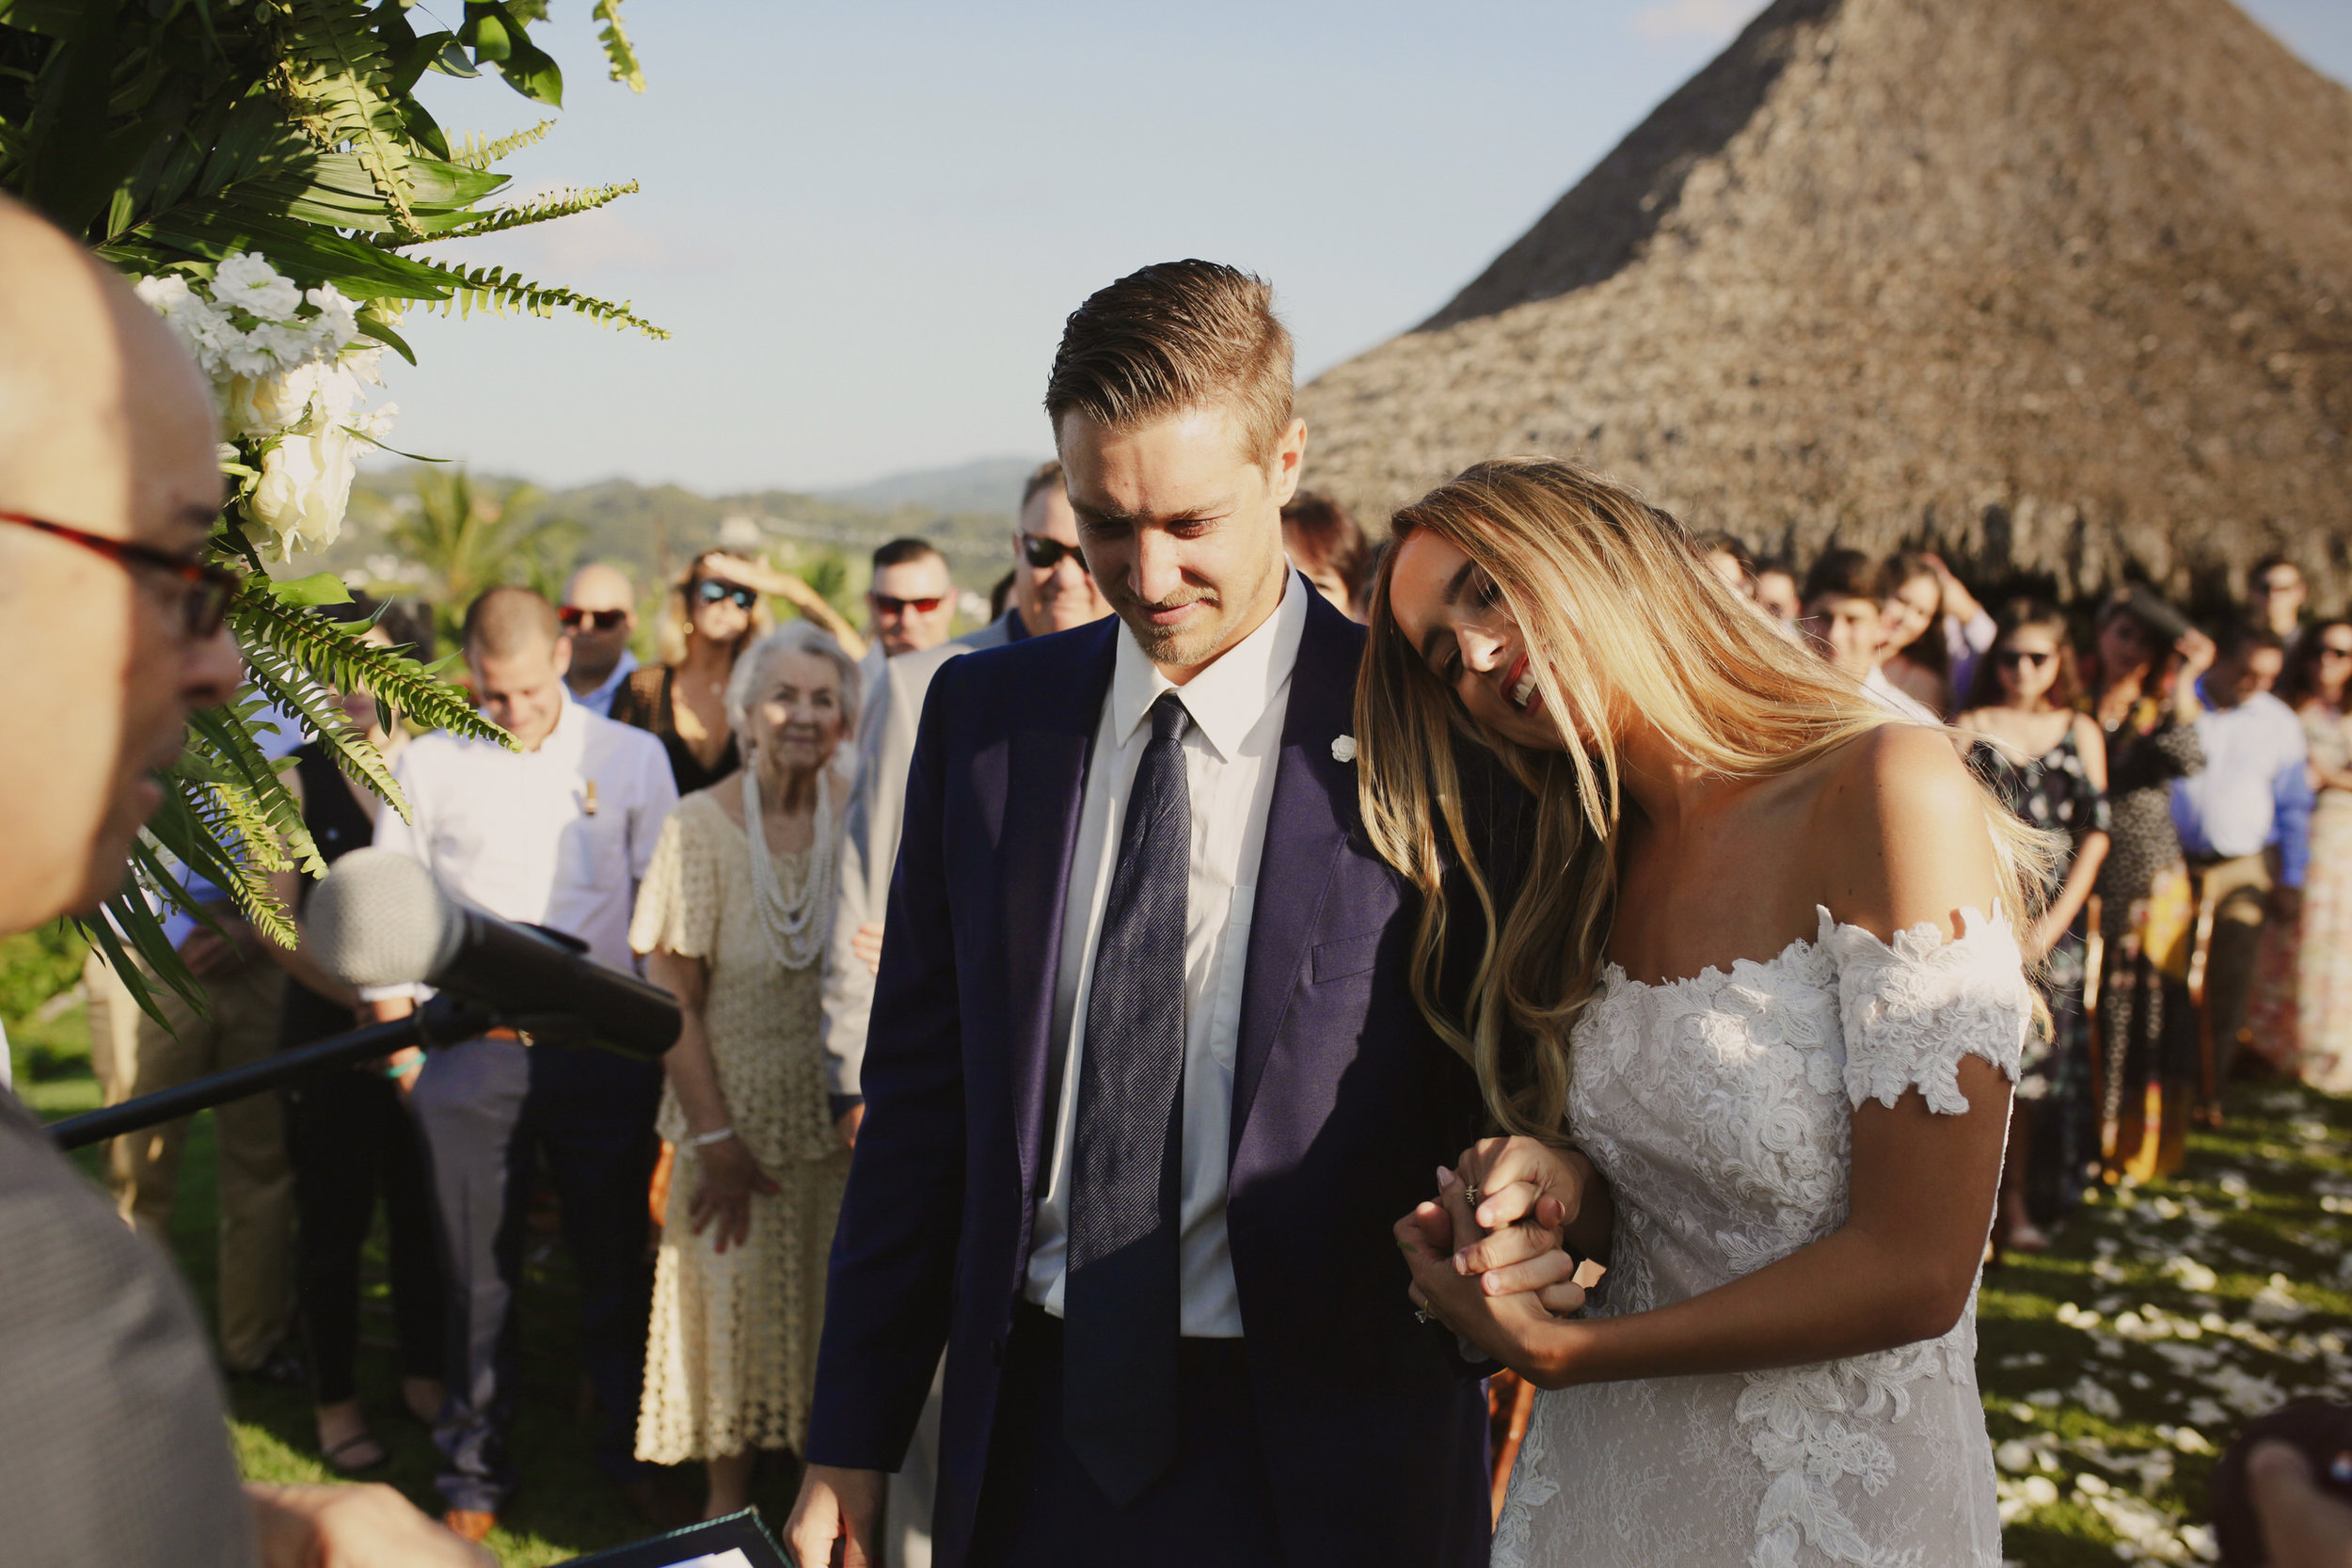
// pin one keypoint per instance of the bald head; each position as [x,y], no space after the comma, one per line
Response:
[599,614]
[506,621]
[105,427]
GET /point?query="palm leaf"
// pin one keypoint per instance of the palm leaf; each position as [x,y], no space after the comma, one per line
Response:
[333,76]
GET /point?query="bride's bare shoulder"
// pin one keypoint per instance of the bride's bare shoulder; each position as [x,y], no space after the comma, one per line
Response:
[1898,831]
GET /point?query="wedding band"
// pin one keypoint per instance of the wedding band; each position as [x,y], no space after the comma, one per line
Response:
[1470,1194]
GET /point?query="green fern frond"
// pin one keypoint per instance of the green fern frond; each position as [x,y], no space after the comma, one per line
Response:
[495,289]
[476,153]
[295,655]
[555,204]
[334,76]
[223,753]
[217,834]
[618,51]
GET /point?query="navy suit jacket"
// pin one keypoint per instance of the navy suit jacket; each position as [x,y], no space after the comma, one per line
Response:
[1371,1429]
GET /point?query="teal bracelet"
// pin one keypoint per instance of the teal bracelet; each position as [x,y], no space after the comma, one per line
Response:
[395,1069]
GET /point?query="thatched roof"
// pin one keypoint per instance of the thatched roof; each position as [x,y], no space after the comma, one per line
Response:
[2058,285]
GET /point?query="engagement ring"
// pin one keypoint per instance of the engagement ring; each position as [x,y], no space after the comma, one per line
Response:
[1469,1195]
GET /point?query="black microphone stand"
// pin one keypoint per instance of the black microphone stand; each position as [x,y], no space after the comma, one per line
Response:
[443,1020]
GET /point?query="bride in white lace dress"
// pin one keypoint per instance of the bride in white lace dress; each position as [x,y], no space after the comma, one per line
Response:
[1753,1019]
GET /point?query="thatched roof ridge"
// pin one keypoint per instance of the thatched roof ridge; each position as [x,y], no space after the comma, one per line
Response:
[2058,285]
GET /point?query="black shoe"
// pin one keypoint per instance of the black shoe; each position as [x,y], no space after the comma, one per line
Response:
[281,1368]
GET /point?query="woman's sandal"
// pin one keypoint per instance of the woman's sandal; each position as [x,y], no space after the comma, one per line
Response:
[357,1454]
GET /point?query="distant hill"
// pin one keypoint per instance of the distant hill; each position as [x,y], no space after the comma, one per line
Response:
[654,530]
[991,484]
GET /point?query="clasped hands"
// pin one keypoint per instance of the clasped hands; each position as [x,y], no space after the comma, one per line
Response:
[1487,1255]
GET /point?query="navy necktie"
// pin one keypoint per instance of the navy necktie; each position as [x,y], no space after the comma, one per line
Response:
[1121,1306]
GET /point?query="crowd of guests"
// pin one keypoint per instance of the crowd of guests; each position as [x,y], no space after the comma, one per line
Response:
[724,818]
[2198,776]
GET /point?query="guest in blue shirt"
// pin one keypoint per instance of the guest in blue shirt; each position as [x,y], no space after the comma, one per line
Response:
[2244,822]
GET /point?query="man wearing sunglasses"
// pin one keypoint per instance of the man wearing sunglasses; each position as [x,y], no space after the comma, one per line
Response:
[599,615]
[113,1445]
[912,600]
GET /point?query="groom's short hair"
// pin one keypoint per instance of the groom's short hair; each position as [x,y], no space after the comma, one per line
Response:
[1176,335]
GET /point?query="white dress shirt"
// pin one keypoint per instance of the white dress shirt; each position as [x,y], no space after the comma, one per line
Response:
[1236,705]
[2255,790]
[599,701]
[514,835]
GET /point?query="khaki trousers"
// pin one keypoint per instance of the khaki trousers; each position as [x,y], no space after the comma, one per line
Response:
[2239,891]
[133,1055]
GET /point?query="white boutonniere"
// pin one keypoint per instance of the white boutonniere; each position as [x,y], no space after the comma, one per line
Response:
[1343,749]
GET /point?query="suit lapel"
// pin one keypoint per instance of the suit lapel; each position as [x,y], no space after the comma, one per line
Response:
[1051,731]
[1308,820]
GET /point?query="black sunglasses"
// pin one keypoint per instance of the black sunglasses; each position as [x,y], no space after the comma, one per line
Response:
[1045,554]
[2012,659]
[205,590]
[711,590]
[575,618]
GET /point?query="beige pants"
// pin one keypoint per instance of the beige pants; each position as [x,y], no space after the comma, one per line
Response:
[133,1055]
[2239,889]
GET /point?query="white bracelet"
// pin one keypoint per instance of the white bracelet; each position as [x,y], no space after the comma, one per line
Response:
[704,1140]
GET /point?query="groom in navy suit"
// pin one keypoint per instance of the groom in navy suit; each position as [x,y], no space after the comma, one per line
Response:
[1145,1088]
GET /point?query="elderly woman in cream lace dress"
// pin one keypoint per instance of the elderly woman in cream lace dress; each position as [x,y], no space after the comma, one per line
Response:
[732,918]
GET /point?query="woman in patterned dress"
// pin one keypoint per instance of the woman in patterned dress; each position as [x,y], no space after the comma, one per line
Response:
[733,918]
[2050,764]
[1771,998]
[2145,663]
[2306,1003]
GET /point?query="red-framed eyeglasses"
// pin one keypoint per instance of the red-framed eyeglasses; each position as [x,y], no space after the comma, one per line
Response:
[205,590]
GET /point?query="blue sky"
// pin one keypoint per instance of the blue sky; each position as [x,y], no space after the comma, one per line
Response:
[863,225]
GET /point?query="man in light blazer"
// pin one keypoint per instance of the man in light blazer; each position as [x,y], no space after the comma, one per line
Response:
[1052,591]
[1145,1086]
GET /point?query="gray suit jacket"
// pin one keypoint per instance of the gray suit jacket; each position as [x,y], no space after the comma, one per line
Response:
[114,1448]
[887,716]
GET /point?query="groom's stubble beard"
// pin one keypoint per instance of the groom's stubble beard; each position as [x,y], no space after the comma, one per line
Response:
[1205,636]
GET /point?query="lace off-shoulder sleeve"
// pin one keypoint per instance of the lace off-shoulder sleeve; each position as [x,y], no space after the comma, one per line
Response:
[1910,1010]
[677,904]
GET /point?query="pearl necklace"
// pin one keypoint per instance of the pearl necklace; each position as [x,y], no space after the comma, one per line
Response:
[797,923]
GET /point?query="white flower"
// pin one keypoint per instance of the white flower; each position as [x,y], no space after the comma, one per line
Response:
[338,321]
[263,405]
[1343,749]
[164,295]
[248,282]
[305,485]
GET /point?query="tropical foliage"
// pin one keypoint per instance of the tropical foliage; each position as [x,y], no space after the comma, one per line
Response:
[466,537]
[266,168]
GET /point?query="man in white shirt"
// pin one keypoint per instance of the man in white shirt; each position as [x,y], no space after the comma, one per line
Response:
[556,832]
[2245,821]
[599,614]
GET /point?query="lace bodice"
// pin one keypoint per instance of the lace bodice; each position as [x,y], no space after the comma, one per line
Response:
[1718,1110]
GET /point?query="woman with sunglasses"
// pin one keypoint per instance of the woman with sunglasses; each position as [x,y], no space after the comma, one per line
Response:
[712,614]
[2305,995]
[2050,764]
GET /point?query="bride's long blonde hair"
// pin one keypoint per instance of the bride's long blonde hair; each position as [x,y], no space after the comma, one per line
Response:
[1617,608]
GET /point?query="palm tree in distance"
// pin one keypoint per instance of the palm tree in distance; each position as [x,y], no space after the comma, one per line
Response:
[468,540]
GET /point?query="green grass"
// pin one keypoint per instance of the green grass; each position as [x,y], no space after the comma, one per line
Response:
[2115,1363]
[2107,1384]
[564,1506]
